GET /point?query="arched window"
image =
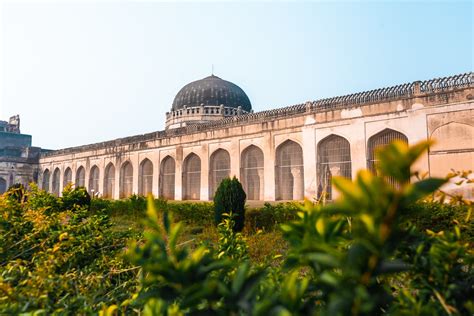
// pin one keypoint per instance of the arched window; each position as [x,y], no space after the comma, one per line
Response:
[67,176]
[192,177]
[80,177]
[379,140]
[126,180]
[289,173]
[167,178]
[94,180]
[219,169]
[3,185]
[56,181]
[251,172]
[45,183]
[145,177]
[334,159]
[109,181]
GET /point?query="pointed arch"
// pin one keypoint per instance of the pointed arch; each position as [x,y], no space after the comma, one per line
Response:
[251,172]
[380,140]
[219,169]
[3,185]
[334,159]
[67,177]
[145,177]
[167,178]
[109,181]
[94,174]
[56,181]
[80,177]
[192,177]
[289,173]
[45,182]
[126,180]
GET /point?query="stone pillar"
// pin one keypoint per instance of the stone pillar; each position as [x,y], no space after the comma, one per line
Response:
[309,162]
[178,177]
[118,166]
[298,190]
[136,172]
[204,194]
[261,176]
[61,179]
[234,153]
[101,167]
[269,168]
[156,175]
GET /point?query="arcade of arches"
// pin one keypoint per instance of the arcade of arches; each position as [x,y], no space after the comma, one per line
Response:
[333,159]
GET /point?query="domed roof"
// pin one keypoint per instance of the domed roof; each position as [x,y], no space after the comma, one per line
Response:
[211,90]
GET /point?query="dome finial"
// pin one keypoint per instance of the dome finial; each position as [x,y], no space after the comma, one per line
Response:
[212,70]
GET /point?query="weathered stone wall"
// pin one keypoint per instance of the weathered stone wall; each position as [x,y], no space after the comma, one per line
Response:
[440,108]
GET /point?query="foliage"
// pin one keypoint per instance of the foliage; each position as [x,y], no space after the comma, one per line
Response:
[75,198]
[341,260]
[270,216]
[230,198]
[58,261]
[231,244]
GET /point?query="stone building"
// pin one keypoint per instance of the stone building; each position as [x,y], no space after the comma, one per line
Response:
[18,159]
[283,154]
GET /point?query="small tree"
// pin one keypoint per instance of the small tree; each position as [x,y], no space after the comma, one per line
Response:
[230,198]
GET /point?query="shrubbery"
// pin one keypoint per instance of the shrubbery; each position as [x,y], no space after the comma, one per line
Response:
[230,198]
[58,260]
[342,260]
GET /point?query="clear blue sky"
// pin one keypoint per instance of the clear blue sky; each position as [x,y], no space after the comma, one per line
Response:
[86,72]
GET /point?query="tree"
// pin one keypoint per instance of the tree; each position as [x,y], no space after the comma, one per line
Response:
[230,198]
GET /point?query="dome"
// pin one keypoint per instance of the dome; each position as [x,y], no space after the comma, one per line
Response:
[211,90]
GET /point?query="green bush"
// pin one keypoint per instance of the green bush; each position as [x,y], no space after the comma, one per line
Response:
[438,217]
[270,216]
[199,213]
[230,198]
[75,198]
[340,260]
[59,262]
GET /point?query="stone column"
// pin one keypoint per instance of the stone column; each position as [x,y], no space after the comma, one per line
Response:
[309,161]
[136,171]
[204,194]
[298,190]
[235,159]
[269,167]
[156,175]
[261,194]
[101,167]
[178,177]
[118,165]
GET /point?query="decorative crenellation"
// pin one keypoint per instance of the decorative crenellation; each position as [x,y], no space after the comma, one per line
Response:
[404,91]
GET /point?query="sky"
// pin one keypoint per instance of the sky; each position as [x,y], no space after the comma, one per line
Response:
[81,72]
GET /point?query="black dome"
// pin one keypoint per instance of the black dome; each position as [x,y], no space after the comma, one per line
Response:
[211,90]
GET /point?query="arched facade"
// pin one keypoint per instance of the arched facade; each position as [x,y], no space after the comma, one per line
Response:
[379,140]
[192,177]
[145,177]
[251,172]
[289,173]
[94,180]
[80,177]
[334,159]
[45,182]
[3,185]
[56,181]
[219,169]
[67,178]
[167,178]
[109,181]
[126,180]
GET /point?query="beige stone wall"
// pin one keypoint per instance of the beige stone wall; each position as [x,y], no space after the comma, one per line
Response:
[446,116]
